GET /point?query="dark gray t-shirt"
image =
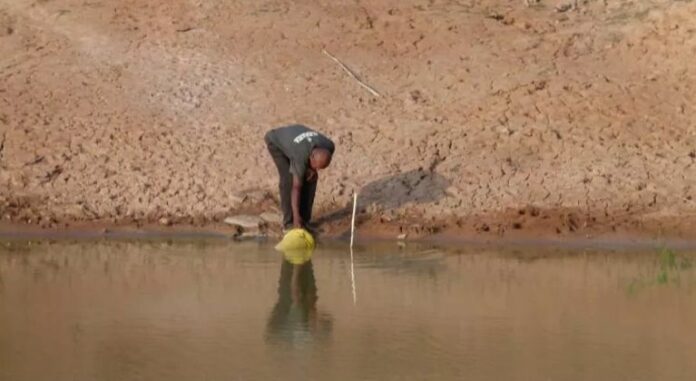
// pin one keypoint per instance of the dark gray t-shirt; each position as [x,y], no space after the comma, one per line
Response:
[297,141]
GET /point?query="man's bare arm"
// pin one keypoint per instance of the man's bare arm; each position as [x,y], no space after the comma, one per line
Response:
[295,201]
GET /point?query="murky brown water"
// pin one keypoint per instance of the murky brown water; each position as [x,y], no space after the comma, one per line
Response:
[211,310]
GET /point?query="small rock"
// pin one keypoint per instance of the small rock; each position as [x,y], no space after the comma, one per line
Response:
[236,199]
[388,216]
[241,235]
[418,228]
[495,16]
[257,196]
[165,221]
[373,208]
[252,235]
[75,210]
[245,221]
[271,218]
[452,191]
[402,236]
[564,7]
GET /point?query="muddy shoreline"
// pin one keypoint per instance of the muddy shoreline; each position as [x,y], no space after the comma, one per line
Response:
[515,228]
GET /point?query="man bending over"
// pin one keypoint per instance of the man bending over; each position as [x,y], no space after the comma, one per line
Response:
[299,153]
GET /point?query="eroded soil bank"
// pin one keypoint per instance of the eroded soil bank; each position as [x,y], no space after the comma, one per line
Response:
[495,119]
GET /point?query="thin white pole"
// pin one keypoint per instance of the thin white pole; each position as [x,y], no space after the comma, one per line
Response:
[352,223]
[352,239]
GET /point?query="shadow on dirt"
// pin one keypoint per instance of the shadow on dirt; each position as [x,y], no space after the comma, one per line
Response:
[418,186]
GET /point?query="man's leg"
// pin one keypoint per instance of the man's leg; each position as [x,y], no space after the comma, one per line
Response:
[309,188]
[285,182]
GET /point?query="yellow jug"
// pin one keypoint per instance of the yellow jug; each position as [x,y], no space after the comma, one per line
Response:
[298,257]
[296,239]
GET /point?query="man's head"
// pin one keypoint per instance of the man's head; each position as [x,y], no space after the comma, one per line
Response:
[320,158]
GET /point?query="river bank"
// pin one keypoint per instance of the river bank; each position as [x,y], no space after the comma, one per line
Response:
[486,231]
[493,120]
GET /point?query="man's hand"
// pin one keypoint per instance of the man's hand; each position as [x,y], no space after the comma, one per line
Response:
[311,174]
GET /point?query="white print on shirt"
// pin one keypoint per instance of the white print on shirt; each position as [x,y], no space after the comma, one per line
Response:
[305,135]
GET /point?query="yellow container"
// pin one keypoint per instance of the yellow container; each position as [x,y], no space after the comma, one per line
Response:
[298,257]
[296,239]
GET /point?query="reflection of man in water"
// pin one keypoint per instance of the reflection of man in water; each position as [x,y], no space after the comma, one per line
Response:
[294,318]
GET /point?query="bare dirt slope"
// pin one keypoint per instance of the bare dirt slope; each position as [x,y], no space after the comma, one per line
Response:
[493,115]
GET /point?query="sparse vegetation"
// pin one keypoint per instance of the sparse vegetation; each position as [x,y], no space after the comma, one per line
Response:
[672,267]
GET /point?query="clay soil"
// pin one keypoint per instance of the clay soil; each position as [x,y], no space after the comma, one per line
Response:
[495,118]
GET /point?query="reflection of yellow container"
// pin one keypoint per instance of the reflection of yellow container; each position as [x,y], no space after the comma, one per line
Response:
[296,239]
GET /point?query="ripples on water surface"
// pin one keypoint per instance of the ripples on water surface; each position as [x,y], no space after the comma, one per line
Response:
[211,310]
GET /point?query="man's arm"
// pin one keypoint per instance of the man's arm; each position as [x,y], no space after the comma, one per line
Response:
[295,201]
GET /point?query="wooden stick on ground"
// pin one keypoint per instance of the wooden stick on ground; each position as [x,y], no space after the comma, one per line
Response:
[351,74]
